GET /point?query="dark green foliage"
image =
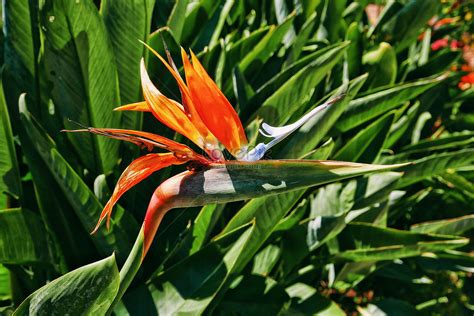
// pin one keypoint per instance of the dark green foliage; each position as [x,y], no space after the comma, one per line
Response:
[392,242]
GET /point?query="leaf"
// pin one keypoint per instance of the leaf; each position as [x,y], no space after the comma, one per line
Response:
[204,223]
[82,199]
[87,290]
[353,273]
[307,301]
[365,242]
[400,127]
[278,108]
[176,21]
[189,286]
[434,165]
[312,132]
[435,65]
[5,291]
[22,238]
[80,61]
[274,83]
[265,260]
[366,145]
[376,103]
[461,139]
[21,53]
[128,22]
[263,50]
[254,295]
[451,226]
[381,64]
[389,306]
[404,27]
[9,172]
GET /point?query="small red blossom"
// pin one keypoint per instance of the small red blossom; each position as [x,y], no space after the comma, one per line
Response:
[438,44]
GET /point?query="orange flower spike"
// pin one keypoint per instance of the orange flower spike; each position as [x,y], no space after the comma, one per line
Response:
[167,111]
[213,107]
[209,140]
[144,140]
[138,106]
[137,171]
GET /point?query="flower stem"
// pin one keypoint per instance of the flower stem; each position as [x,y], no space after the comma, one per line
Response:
[155,212]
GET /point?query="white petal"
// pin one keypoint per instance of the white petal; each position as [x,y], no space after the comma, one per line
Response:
[280,133]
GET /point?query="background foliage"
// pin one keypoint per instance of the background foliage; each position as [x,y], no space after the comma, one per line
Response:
[396,242]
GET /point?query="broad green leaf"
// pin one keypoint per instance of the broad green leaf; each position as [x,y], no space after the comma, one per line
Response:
[353,273]
[322,152]
[189,286]
[265,260]
[389,10]
[376,103]
[305,300]
[223,14]
[366,145]
[128,22]
[375,188]
[293,218]
[405,26]
[254,295]
[381,64]
[296,48]
[327,218]
[204,223]
[331,20]
[9,172]
[88,290]
[312,132]
[80,62]
[461,139]
[436,164]
[400,127]
[5,291]
[457,181]
[267,89]
[260,54]
[176,20]
[82,199]
[22,238]
[354,52]
[389,306]
[451,226]
[365,242]
[435,65]
[21,53]
[450,260]
[297,90]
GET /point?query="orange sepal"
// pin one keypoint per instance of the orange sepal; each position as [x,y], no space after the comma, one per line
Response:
[144,140]
[169,112]
[137,171]
[188,104]
[138,106]
[212,106]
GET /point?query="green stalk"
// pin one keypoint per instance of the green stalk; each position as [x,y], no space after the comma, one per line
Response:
[155,212]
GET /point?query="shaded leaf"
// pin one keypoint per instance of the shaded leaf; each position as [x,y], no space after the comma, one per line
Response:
[87,290]
[22,238]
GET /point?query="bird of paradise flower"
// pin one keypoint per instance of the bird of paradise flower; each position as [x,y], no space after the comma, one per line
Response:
[207,118]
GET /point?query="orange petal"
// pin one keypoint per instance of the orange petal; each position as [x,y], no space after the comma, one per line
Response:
[137,171]
[213,107]
[139,107]
[144,140]
[167,111]
[188,103]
